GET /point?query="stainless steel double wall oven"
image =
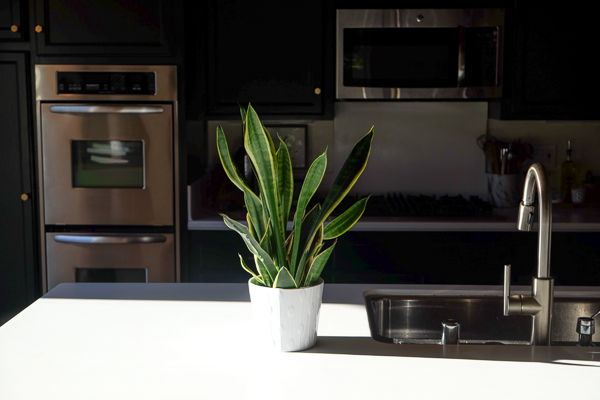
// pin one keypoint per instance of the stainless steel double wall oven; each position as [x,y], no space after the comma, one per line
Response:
[107,152]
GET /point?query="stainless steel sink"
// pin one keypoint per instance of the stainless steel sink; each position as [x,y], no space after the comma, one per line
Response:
[405,319]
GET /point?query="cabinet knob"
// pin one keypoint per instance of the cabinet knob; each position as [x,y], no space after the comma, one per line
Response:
[318,91]
[14,28]
[24,197]
[38,28]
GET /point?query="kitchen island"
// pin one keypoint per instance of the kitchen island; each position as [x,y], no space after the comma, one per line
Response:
[180,341]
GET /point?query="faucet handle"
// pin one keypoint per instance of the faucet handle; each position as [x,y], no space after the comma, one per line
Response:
[512,304]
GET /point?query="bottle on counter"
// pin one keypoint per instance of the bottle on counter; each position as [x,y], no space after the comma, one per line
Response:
[567,176]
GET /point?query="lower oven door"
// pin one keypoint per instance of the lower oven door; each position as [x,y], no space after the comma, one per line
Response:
[79,257]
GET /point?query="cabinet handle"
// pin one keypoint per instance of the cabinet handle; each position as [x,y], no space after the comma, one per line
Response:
[24,197]
[38,28]
[14,28]
[318,91]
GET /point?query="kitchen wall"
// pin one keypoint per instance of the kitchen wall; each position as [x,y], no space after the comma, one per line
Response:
[584,136]
[426,147]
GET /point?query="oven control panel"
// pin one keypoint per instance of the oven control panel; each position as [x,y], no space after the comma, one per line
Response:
[106,83]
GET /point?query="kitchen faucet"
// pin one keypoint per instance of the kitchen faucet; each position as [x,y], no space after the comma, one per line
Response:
[539,303]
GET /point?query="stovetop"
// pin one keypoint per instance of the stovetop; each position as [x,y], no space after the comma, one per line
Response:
[397,204]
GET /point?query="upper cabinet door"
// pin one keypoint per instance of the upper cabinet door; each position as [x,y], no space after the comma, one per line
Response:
[12,23]
[269,53]
[107,27]
[554,71]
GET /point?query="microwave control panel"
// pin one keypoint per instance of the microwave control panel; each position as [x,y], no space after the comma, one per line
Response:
[106,83]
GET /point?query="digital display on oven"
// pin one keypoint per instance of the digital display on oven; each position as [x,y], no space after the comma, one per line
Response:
[106,83]
[107,163]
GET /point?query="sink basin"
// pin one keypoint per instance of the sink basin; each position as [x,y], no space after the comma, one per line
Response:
[417,319]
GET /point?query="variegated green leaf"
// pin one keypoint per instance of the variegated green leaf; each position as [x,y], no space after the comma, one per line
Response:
[264,273]
[317,266]
[284,280]
[344,222]
[257,281]
[351,170]
[258,147]
[251,227]
[252,245]
[285,182]
[246,266]
[313,179]
[253,203]
[243,113]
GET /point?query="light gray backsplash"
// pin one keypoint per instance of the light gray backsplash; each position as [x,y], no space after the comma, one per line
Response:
[425,147]
[418,147]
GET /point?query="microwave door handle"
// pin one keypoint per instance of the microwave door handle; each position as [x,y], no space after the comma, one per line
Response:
[125,239]
[104,109]
[462,39]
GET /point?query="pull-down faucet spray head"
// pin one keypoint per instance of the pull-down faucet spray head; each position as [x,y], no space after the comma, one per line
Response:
[526,213]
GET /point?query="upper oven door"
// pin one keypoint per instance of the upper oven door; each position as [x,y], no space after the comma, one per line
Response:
[418,53]
[107,164]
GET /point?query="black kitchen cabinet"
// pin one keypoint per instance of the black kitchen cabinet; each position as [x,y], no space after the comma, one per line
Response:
[17,216]
[12,20]
[105,28]
[269,53]
[550,64]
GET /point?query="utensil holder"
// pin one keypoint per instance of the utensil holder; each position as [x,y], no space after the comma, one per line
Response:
[503,190]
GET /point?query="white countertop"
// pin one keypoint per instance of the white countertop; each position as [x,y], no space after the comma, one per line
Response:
[194,341]
[502,220]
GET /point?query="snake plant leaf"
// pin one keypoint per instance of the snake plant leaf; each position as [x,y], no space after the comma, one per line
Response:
[347,177]
[251,227]
[258,147]
[242,112]
[253,203]
[353,167]
[252,245]
[257,281]
[264,274]
[308,221]
[317,266]
[246,267]
[344,222]
[285,182]
[284,280]
[313,179]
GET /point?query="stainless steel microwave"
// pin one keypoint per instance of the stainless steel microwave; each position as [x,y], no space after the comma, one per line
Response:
[419,53]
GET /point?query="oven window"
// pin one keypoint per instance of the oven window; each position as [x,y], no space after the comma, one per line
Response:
[401,57]
[107,163]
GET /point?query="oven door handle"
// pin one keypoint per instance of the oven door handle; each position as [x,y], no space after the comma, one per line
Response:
[80,239]
[104,109]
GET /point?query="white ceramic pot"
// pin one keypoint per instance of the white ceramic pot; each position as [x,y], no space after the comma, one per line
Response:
[286,319]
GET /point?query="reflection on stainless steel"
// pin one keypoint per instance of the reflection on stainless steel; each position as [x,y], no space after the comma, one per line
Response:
[461,56]
[150,204]
[108,162]
[539,304]
[450,331]
[422,18]
[106,109]
[105,239]
[156,253]
[416,319]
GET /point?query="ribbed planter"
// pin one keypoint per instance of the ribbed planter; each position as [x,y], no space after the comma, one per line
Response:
[286,319]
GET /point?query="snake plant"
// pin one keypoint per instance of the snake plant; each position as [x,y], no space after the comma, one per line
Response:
[295,259]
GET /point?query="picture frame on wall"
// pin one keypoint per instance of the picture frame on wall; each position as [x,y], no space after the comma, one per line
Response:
[295,137]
